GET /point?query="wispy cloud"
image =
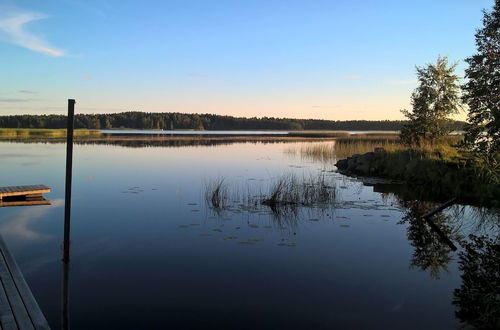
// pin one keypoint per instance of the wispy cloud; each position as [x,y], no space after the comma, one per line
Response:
[352,77]
[87,77]
[26,91]
[21,224]
[12,100]
[13,29]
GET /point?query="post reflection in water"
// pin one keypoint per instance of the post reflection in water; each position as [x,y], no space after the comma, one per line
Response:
[65,296]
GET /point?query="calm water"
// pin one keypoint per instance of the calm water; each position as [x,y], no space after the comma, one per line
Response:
[203,132]
[147,252]
[189,132]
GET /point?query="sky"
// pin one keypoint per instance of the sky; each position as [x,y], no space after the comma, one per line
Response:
[336,59]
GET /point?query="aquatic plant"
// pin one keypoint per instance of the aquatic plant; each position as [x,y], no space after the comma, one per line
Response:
[216,194]
[285,194]
[344,147]
[289,189]
[43,132]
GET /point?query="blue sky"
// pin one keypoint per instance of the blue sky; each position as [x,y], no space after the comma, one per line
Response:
[348,59]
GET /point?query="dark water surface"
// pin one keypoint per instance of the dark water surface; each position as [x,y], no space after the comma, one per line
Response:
[147,252]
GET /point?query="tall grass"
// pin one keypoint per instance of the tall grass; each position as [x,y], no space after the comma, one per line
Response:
[42,132]
[343,147]
[285,194]
[216,194]
[305,191]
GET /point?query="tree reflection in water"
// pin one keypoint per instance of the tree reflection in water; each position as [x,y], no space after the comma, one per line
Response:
[478,298]
[431,253]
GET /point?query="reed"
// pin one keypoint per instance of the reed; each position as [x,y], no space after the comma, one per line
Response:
[216,194]
[285,194]
[25,133]
[300,191]
[342,148]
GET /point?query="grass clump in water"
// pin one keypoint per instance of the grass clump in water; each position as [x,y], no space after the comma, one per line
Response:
[286,194]
[216,194]
[291,190]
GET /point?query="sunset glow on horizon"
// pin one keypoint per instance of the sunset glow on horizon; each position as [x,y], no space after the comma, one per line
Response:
[335,60]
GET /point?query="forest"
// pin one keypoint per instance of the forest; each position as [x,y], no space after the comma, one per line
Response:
[170,121]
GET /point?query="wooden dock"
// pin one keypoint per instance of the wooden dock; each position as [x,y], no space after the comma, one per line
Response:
[18,308]
[23,195]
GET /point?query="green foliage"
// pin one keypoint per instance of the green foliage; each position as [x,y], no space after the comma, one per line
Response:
[440,171]
[168,121]
[482,90]
[436,98]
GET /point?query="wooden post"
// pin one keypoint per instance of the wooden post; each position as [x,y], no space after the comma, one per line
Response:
[69,166]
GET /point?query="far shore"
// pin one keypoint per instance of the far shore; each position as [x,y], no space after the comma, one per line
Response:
[13,134]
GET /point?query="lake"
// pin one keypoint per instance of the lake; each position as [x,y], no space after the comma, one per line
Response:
[148,251]
[227,133]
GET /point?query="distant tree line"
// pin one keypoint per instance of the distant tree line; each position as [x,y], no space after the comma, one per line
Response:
[145,120]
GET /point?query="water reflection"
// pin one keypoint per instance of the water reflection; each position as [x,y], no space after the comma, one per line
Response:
[145,142]
[478,297]
[140,218]
[20,225]
[431,253]
[65,320]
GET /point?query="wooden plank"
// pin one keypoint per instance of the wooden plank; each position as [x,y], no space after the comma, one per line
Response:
[23,190]
[29,301]
[27,187]
[21,315]
[25,203]
[7,320]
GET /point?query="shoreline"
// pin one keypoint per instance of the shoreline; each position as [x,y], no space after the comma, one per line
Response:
[426,176]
